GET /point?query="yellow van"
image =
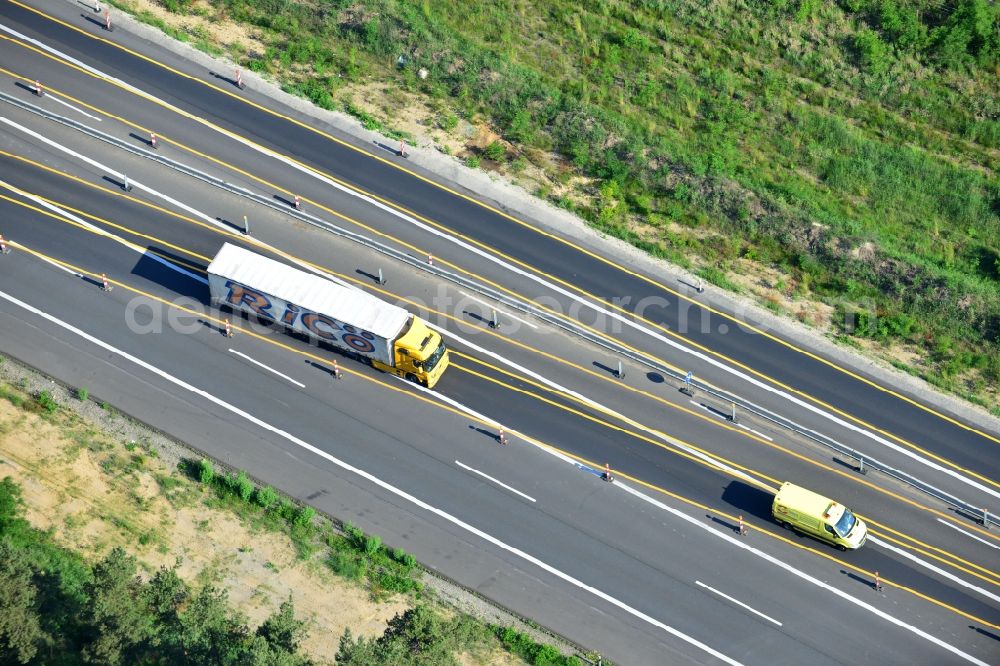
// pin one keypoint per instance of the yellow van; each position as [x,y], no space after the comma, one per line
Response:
[802,510]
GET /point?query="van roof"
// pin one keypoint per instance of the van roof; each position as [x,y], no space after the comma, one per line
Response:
[805,500]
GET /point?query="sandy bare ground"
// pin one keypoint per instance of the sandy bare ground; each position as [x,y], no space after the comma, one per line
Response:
[95,494]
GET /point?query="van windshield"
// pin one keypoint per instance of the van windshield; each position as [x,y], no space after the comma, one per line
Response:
[846,523]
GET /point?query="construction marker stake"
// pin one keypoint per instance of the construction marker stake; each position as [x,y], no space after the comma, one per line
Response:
[701,286]
[239,80]
[3,246]
[107,20]
[38,89]
[246,226]
[298,203]
[336,370]
[743,527]
[732,416]
[621,371]
[125,184]
[607,473]
[502,437]
[381,278]
[402,148]
[430,259]
[152,141]
[493,319]
[97,8]
[104,283]
[878,583]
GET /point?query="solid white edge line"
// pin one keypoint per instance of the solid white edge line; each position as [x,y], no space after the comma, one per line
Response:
[738,602]
[968,534]
[97,230]
[491,306]
[55,98]
[499,483]
[938,570]
[531,276]
[738,543]
[269,369]
[375,480]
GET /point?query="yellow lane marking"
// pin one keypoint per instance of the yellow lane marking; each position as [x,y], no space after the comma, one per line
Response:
[786,540]
[891,435]
[920,546]
[66,220]
[552,236]
[537,442]
[635,435]
[739,431]
[495,368]
[536,384]
[925,553]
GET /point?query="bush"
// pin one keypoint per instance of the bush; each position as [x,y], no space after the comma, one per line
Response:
[495,151]
[241,485]
[304,516]
[873,54]
[265,496]
[205,471]
[82,394]
[47,402]
[371,544]
[472,162]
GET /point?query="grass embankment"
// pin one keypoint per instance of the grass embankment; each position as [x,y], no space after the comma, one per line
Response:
[108,554]
[835,159]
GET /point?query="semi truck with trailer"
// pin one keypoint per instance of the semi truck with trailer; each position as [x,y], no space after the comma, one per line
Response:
[804,511]
[382,334]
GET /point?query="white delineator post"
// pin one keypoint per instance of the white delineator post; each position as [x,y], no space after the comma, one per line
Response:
[3,246]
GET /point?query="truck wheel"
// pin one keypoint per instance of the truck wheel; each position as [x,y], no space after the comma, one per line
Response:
[842,548]
[410,377]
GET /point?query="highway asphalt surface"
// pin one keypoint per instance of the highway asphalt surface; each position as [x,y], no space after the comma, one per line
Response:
[634,564]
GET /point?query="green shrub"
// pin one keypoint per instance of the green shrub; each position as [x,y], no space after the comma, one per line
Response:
[304,516]
[265,497]
[495,151]
[47,402]
[82,394]
[873,54]
[348,564]
[371,544]
[206,472]
[472,161]
[241,485]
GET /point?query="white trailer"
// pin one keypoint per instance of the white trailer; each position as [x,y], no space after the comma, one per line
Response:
[388,336]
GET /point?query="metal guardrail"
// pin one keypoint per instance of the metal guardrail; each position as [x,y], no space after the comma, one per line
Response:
[977,513]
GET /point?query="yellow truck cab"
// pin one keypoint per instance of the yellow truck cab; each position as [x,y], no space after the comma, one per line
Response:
[420,354]
[804,511]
